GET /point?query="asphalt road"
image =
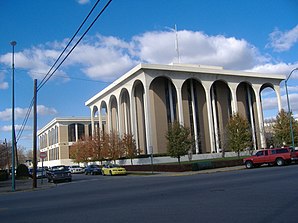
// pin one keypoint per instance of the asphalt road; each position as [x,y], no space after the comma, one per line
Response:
[267,194]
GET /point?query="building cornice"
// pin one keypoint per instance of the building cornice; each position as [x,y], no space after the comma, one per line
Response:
[189,68]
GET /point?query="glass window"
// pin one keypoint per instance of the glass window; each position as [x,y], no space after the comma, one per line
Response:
[81,131]
[260,153]
[72,133]
[284,150]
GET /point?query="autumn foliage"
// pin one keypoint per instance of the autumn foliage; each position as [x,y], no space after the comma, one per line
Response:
[103,146]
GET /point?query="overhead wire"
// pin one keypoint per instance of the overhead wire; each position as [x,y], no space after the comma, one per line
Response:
[48,75]
[75,45]
[72,38]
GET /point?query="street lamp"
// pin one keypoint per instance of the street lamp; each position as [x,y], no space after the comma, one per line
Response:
[13,43]
[289,109]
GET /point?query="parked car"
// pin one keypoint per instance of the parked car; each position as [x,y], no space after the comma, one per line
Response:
[92,169]
[76,169]
[278,156]
[113,169]
[59,173]
[40,173]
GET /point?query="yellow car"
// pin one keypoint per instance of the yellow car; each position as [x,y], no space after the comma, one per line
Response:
[112,169]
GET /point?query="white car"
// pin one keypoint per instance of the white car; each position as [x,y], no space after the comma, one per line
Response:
[76,169]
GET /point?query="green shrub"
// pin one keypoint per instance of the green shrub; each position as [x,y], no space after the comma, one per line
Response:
[3,175]
[22,171]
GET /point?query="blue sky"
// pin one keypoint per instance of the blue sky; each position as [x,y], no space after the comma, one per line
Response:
[256,35]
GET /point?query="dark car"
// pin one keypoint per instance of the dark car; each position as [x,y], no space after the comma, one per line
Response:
[92,169]
[59,173]
[40,173]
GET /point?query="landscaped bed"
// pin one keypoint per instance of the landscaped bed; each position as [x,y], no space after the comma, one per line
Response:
[187,166]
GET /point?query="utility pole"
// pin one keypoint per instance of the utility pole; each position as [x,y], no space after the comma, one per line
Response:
[34,134]
[13,186]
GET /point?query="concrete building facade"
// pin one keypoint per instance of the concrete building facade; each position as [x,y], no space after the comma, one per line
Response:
[145,100]
[58,135]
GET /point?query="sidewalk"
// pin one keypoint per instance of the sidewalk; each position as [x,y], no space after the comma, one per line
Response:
[23,185]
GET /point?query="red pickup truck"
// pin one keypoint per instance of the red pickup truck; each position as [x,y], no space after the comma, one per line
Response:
[278,156]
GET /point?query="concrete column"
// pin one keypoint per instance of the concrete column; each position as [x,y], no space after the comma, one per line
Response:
[109,118]
[193,107]
[180,106]
[119,120]
[171,101]
[250,106]
[99,117]
[207,88]
[148,120]
[76,132]
[260,116]
[234,104]
[277,91]
[133,117]
[215,124]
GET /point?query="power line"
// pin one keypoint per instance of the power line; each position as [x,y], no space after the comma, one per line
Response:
[87,30]
[68,77]
[65,48]
[20,132]
[48,75]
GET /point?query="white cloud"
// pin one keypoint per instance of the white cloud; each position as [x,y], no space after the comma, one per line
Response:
[37,60]
[20,113]
[8,128]
[83,2]
[279,68]
[107,57]
[196,48]
[43,110]
[3,84]
[283,41]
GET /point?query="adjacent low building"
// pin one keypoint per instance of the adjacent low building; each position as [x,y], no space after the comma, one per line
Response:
[57,136]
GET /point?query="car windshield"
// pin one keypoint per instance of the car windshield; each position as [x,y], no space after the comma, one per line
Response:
[58,168]
[111,165]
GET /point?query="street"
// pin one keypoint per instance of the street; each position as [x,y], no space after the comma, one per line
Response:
[266,194]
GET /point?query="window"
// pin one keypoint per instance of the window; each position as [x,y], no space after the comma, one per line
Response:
[81,131]
[72,133]
[284,150]
[260,153]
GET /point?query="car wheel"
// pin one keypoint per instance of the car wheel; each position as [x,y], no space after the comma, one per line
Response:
[69,180]
[249,164]
[111,174]
[280,162]
[86,173]
[49,180]
[102,173]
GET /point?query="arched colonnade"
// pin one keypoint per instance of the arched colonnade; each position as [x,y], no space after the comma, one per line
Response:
[146,99]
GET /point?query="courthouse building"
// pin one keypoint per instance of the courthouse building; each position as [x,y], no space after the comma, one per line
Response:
[147,98]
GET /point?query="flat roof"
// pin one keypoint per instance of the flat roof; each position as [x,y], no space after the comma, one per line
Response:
[185,68]
[63,119]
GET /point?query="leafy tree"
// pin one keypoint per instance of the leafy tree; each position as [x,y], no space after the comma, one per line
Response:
[179,140]
[238,134]
[129,146]
[96,143]
[22,171]
[115,149]
[80,151]
[281,128]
